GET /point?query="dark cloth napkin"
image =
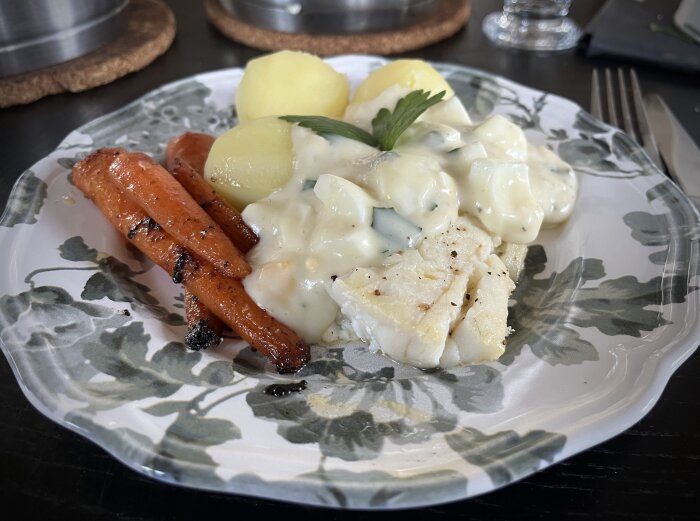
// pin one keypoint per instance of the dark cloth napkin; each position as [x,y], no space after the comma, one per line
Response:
[622,28]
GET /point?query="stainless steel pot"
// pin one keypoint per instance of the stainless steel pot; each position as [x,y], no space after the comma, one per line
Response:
[330,16]
[38,33]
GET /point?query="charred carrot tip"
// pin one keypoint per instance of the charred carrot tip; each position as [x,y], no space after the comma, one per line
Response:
[201,335]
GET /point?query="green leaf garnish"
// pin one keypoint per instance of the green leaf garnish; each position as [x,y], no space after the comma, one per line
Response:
[387,126]
[324,126]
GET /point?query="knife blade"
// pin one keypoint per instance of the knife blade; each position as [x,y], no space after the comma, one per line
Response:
[679,152]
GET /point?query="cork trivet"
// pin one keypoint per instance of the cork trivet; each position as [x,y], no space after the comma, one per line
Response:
[149,33]
[445,22]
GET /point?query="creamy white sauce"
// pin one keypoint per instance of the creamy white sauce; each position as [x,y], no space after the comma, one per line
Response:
[349,205]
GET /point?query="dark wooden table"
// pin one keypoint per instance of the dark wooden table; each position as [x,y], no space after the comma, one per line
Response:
[651,471]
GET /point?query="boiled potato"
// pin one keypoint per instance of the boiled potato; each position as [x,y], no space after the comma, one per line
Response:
[251,160]
[411,74]
[291,83]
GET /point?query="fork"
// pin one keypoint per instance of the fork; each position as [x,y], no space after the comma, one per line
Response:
[634,116]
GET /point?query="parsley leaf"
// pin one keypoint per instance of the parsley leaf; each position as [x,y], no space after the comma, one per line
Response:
[324,126]
[388,126]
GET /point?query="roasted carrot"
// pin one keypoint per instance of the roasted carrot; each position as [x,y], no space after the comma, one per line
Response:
[191,148]
[228,218]
[153,189]
[204,329]
[223,295]
[185,158]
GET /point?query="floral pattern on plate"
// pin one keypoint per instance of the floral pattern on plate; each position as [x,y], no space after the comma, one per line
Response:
[604,312]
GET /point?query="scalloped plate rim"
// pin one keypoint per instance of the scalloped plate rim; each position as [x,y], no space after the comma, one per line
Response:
[632,413]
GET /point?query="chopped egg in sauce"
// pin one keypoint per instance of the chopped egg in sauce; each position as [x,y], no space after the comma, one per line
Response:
[395,247]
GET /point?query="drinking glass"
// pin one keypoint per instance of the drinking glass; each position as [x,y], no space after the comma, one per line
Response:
[533,24]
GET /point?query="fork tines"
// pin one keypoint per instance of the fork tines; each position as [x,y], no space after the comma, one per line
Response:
[634,116]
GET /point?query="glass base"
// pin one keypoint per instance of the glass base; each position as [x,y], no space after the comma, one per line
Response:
[530,33]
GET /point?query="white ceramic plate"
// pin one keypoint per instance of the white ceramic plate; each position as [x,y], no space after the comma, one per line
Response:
[606,310]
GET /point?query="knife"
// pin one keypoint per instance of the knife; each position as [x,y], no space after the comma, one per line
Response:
[679,152]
